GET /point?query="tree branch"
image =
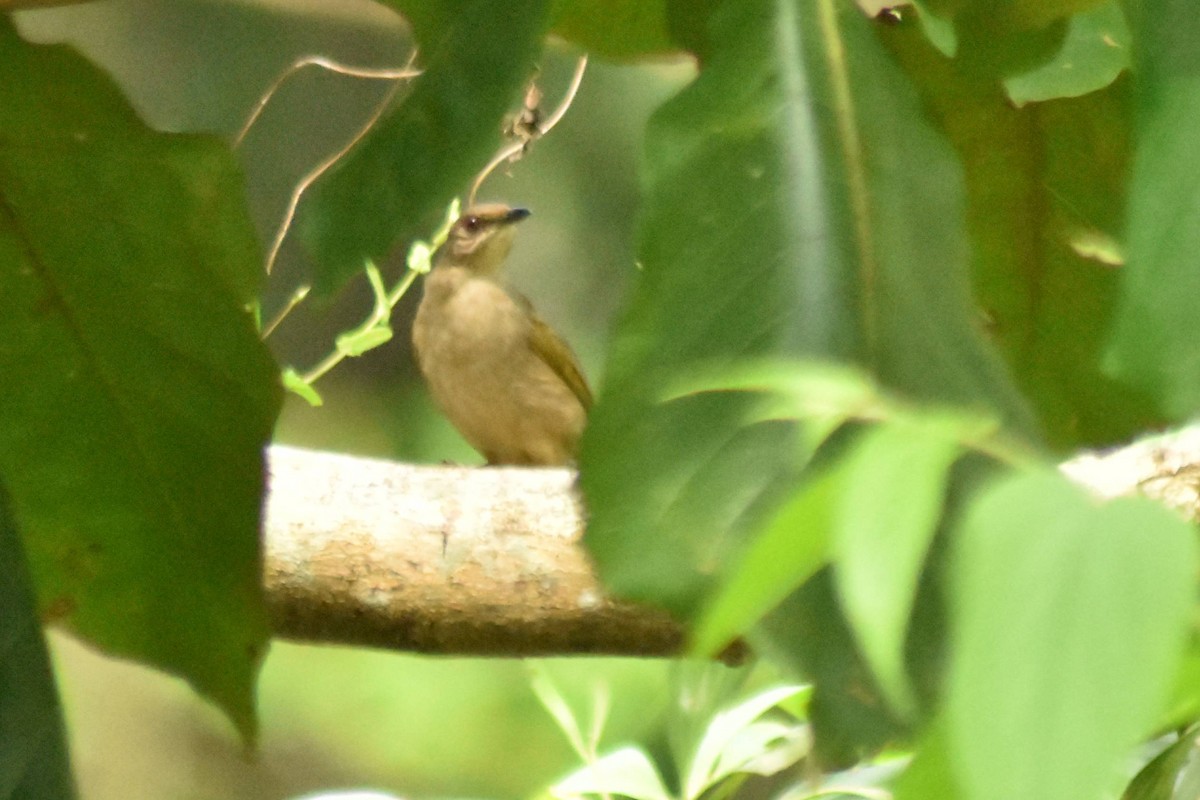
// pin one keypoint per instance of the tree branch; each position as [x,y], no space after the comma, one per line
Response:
[464,560]
[440,559]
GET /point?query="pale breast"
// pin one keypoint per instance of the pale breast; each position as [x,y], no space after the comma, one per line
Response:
[472,343]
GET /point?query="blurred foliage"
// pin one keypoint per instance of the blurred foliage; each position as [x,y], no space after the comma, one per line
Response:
[33,754]
[130,341]
[960,238]
[396,182]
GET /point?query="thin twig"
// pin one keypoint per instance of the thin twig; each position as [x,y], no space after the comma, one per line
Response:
[373,73]
[295,300]
[512,149]
[311,176]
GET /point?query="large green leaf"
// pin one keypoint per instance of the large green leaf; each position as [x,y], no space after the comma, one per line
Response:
[1154,346]
[1069,620]
[1042,181]
[894,487]
[621,30]
[797,204]
[476,55]
[137,395]
[930,774]
[33,746]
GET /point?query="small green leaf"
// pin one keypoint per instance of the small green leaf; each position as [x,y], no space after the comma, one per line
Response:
[355,343]
[378,291]
[891,501]
[420,258]
[1094,53]
[1156,780]
[1068,623]
[627,772]
[294,383]
[797,390]
[707,766]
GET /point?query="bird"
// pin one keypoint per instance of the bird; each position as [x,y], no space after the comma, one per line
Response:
[506,381]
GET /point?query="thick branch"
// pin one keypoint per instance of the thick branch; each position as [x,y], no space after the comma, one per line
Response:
[440,559]
[462,560]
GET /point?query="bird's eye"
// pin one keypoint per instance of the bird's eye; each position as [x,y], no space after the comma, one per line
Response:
[471,223]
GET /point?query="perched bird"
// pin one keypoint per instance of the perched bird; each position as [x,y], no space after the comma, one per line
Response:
[509,384]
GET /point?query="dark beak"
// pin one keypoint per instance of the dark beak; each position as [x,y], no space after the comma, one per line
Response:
[516,215]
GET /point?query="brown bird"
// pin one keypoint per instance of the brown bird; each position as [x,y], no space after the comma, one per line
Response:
[509,384]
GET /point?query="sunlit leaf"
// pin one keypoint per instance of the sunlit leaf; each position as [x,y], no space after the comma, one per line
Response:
[710,763]
[1069,619]
[1156,780]
[627,772]
[359,342]
[891,500]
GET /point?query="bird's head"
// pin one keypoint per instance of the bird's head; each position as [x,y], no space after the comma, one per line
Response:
[481,238]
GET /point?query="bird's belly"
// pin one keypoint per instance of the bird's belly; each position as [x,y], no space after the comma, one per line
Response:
[504,400]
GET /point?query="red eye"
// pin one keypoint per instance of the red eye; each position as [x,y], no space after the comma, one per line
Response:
[471,223]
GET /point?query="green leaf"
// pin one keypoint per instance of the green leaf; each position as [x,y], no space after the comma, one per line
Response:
[788,551]
[1094,53]
[1156,780]
[1068,623]
[1039,180]
[356,343]
[137,397]
[712,760]
[392,187]
[940,32]
[891,500]
[808,632]
[930,774]
[33,742]
[1035,13]
[627,772]
[1153,346]
[616,29]
[295,383]
[1189,781]
[797,205]
[1012,14]
[992,47]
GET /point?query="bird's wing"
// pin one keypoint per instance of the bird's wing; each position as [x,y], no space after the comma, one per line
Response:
[557,355]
